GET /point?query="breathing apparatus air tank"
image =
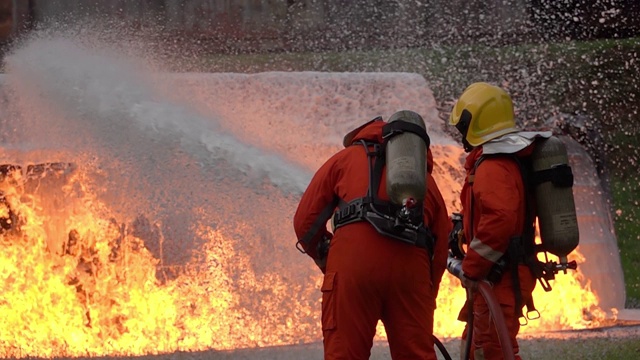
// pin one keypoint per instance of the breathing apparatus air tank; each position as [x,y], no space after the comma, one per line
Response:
[406,163]
[555,204]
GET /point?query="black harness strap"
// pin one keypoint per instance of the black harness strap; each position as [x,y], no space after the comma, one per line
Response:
[560,175]
[375,178]
[357,209]
[398,127]
[382,215]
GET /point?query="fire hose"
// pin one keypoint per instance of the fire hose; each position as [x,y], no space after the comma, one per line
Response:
[454,265]
[442,349]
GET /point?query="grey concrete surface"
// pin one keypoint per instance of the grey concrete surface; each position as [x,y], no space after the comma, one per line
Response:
[581,342]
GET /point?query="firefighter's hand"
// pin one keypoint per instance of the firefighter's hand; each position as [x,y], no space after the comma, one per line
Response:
[323,252]
[469,283]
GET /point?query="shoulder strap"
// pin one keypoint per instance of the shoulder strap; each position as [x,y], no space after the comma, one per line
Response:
[382,215]
[376,161]
[400,126]
[355,210]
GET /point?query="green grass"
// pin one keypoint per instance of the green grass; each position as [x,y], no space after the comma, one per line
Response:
[626,198]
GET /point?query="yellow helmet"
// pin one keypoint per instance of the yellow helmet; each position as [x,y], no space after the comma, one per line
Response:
[482,113]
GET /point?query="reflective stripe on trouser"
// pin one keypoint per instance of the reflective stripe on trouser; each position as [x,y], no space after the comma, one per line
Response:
[377,278]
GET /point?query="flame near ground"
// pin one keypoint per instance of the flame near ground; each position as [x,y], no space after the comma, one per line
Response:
[105,290]
[83,274]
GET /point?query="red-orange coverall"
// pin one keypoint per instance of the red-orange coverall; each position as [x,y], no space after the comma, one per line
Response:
[498,215]
[369,276]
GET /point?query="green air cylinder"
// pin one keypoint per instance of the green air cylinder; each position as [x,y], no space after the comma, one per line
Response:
[406,162]
[556,208]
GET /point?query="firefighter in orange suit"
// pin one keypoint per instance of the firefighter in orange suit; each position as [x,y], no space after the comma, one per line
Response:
[494,206]
[369,276]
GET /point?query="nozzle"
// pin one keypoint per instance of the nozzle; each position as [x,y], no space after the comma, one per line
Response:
[551,268]
[569,264]
[454,265]
[572,265]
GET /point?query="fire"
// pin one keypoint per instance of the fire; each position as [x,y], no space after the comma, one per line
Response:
[102,292]
[88,287]
[569,305]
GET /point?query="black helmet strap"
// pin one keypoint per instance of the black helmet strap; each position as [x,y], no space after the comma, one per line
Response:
[463,128]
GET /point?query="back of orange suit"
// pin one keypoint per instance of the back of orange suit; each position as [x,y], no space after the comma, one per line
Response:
[369,276]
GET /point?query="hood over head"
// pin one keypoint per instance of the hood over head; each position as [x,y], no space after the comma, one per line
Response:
[513,142]
[371,130]
[518,143]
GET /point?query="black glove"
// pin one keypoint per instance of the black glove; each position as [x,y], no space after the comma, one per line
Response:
[323,251]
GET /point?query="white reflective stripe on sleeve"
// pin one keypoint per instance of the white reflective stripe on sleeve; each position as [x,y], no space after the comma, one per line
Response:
[485,250]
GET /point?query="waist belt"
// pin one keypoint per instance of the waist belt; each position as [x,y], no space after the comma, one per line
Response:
[363,209]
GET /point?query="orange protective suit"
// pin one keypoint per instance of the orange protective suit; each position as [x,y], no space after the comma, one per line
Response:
[368,276]
[498,215]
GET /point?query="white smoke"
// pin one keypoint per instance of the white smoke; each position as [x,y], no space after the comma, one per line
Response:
[105,97]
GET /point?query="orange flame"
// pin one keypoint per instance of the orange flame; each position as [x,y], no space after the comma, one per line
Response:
[569,305]
[99,291]
[96,290]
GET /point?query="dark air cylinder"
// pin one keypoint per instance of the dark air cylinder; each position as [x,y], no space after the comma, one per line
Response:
[554,197]
[406,162]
